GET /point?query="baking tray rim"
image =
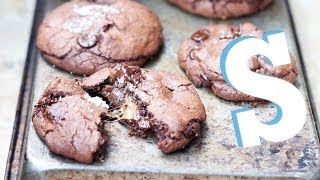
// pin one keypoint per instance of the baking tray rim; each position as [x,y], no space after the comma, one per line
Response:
[17,148]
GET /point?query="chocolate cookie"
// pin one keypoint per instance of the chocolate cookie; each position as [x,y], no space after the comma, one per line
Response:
[70,114]
[83,36]
[149,101]
[70,122]
[200,55]
[222,9]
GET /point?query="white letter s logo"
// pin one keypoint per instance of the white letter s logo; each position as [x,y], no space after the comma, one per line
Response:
[289,102]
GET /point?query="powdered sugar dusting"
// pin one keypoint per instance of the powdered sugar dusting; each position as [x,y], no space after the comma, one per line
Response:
[88,15]
[95,10]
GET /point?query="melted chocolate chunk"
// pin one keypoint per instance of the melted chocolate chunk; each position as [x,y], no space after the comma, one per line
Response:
[88,40]
[192,130]
[236,30]
[200,35]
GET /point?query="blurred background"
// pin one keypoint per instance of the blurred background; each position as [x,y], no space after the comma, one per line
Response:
[15,25]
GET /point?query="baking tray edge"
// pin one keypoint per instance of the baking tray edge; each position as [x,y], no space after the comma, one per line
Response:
[18,140]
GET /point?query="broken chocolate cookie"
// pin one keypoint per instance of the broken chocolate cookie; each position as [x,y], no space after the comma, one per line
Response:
[149,101]
[70,115]
[70,122]
[83,36]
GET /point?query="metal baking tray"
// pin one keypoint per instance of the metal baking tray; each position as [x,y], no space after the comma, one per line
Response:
[214,155]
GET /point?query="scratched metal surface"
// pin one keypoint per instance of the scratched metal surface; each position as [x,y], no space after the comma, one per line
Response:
[215,154]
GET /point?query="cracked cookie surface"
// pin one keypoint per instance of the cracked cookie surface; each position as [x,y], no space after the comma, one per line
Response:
[200,56]
[222,9]
[84,36]
[152,102]
[69,123]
